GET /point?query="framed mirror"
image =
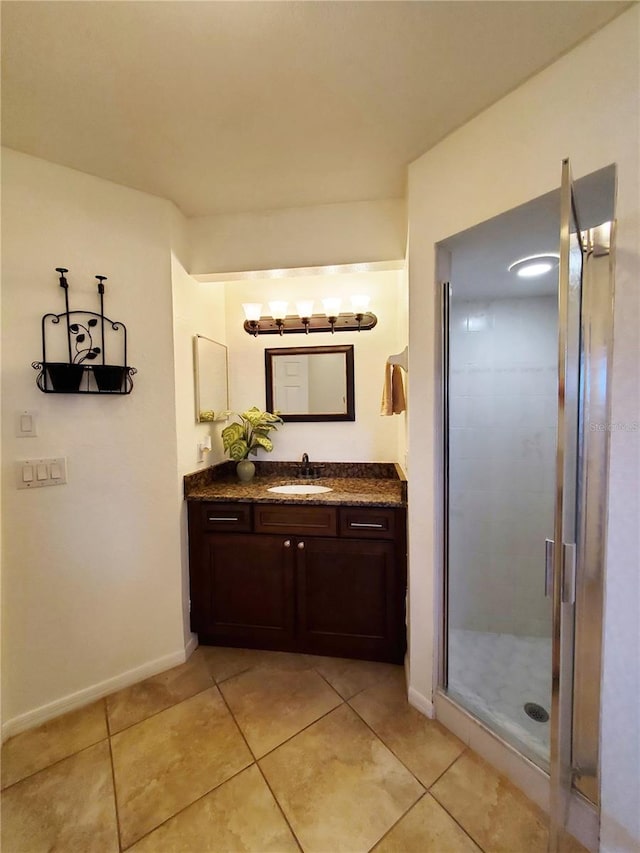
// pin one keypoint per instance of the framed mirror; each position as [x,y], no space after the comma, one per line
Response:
[310,383]
[211,383]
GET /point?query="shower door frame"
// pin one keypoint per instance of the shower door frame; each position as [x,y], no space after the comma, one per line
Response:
[568,515]
[566,802]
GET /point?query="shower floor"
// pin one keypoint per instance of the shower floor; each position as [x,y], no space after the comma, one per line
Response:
[494,675]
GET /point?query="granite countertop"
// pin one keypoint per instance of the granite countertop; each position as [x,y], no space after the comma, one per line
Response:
[359,484]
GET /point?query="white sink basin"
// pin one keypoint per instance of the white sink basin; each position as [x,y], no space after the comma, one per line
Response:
[299,490]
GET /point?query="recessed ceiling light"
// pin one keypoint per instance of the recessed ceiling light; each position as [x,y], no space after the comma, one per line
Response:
[534,265]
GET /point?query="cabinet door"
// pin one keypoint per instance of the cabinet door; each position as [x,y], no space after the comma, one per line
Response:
[247,591]
[347,599]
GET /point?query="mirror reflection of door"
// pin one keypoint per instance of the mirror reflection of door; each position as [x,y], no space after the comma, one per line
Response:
[291,384]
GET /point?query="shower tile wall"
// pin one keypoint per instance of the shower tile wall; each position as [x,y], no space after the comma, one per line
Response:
[503,401]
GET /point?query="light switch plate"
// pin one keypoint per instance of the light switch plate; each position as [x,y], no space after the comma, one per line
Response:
[26,424]
[29,472]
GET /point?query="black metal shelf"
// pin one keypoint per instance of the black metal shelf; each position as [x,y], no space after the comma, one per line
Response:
[86,371]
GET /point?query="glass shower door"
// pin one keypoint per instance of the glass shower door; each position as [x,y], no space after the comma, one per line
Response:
[525,407]
[513,421]
[502,426]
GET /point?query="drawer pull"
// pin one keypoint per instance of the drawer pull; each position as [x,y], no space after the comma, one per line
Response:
[230,518]
[368,524]
[301,546]
[287,543]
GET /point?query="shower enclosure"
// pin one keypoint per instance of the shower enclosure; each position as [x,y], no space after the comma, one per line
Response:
[526,338]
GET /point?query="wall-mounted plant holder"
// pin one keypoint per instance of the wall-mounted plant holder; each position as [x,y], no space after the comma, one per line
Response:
[83,337]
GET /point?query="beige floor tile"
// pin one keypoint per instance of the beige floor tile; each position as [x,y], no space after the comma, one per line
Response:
[67,807]
[349,677]
[272,706]
[425,746]
[38,748]
[240,816]
[168,761]
[154,694]
[426,828]
[225,662]
[495,814]
[339,786]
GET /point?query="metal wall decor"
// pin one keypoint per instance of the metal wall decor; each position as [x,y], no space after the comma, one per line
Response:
[87,333]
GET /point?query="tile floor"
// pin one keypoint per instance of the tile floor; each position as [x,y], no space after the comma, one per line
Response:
[240,750]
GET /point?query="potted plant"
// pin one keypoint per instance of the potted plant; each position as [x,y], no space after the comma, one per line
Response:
[247,437]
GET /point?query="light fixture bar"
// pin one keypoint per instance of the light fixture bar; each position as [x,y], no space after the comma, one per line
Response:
[292,324]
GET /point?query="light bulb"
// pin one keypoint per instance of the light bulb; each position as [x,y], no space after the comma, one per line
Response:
[332,306]
[534,265]
[278,309]
[252,311]
[305,308]
[533,270]
[359,304]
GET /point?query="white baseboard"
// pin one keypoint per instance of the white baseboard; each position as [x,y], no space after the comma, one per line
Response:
[40,715]
[192,645]
[424,705]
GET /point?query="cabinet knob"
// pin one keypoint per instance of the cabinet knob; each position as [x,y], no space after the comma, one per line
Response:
[301,546]
[287,543]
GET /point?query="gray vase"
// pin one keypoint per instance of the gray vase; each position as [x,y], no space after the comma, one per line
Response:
[245,469]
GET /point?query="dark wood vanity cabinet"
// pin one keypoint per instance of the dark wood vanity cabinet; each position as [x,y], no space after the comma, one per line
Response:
[318,579]
[244,588]
[346,598]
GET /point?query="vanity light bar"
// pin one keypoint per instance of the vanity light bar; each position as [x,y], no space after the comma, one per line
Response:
[292,324]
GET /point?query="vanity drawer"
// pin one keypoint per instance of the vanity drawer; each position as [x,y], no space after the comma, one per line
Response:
[366,523]
[226,518]
[295,520]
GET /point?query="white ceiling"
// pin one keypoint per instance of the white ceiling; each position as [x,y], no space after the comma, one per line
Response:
[481,256]
[239,106]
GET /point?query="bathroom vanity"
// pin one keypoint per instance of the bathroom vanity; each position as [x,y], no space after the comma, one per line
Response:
[321,573]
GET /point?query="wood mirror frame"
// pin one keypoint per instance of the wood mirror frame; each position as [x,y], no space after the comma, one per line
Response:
[349,411]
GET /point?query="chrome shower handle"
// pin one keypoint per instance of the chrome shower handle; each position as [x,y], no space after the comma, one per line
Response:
[549,546]
[568,573]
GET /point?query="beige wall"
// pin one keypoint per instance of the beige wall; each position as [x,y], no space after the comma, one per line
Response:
[402,424]
[371,438]
[91,586]
[353,233]
[585,106]
[198,309]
